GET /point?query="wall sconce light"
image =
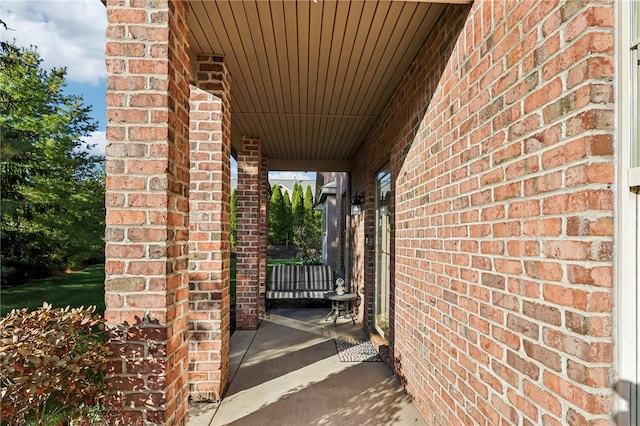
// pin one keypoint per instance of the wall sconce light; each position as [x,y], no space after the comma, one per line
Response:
[356,204]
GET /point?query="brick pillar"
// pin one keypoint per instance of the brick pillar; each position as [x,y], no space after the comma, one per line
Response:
[264,234]
[249,214]
[209,230]
[147,212]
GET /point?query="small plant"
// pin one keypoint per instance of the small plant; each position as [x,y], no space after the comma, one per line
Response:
[52,361]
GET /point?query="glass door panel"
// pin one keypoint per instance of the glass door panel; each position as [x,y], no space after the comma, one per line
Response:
[383,252]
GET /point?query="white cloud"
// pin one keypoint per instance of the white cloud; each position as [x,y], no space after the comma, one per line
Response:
[96,142]
[68,33]
[299,176]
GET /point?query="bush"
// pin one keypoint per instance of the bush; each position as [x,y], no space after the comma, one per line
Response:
[52,361]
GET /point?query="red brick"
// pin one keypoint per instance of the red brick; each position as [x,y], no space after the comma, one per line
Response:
[597,377]
[544,313]
[567,250]
[520,209]
[543,270]
[549,227]
[589,325]
[597,276]
[591,403]
[545,356]
[542,397]
[566,296]
[575,346]
[523,405]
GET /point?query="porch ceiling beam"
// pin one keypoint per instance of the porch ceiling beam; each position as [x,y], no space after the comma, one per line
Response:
[283,165]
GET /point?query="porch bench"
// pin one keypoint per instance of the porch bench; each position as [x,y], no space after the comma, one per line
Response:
[299,282]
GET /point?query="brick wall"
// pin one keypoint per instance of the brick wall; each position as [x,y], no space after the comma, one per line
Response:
[147,210]
[249,227]
[209,231]
[500,145]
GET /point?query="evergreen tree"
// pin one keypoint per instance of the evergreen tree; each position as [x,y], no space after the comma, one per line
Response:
[312,236]
[288,228]
[52,189]
[308,208]
[297,214]
[277,218]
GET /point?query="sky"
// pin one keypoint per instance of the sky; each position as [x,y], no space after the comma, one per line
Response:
[71,34]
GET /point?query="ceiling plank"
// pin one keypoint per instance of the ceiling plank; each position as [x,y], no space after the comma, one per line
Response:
[310,78]
[277,14]
[199,42]
[362,32]
[291,60]
[351,61]
[416,42]
[380,30]
[257,66]
[264,64]
[390,44]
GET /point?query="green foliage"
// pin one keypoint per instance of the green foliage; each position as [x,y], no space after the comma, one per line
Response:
[297,213]
[234,218]
[288,220]
[52,190]
[296,220]
[51,361]
[308,207]
[310,235]
[278,218]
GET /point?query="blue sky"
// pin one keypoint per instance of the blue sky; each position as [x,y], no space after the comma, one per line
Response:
[67,33]
[71,33]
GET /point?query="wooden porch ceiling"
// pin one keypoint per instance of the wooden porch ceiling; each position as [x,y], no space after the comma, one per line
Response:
[310,78]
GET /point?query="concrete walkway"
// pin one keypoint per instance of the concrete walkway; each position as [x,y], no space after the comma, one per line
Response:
[288,373]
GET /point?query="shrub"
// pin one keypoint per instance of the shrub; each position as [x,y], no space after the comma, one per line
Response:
[51,361]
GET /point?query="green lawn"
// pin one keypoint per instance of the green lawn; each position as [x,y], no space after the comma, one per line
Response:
[81,288]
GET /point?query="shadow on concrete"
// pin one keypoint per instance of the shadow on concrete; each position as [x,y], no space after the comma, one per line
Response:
[290,374]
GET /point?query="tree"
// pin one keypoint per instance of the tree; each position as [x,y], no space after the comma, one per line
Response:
[52,189]
[308,207]
[277,218]
[311,233]
[287,212]
[297,214]
[234,218]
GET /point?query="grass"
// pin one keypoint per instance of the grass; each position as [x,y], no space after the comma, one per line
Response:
[80,288]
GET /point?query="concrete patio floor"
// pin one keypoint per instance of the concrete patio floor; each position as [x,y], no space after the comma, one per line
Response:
[288,373]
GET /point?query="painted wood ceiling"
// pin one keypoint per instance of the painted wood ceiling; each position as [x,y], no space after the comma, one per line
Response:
[310,78]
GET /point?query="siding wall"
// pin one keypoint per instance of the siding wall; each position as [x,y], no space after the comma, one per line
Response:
[500,144]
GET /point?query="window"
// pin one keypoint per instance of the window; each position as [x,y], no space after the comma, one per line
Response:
[383,252]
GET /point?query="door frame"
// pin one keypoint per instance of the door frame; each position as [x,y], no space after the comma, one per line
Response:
[626,276]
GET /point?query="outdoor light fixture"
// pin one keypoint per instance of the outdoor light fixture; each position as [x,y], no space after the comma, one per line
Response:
[356,204]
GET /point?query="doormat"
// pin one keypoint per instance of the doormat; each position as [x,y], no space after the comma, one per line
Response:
[353,349]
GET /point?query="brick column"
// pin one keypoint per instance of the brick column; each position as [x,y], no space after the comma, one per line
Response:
[209,230]
[264,234]
[147,212]
[248,230]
